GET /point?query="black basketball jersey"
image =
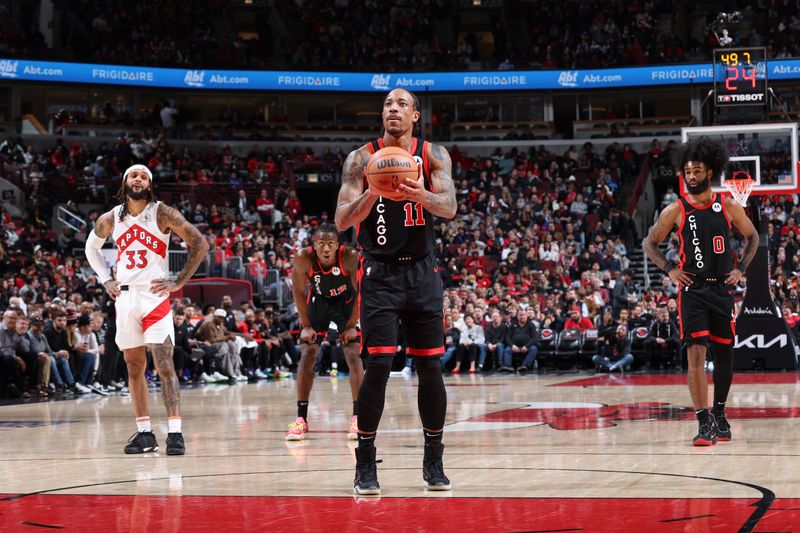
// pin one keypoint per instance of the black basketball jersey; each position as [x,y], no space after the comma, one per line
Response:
[704,233]
[398,230]
[330,283]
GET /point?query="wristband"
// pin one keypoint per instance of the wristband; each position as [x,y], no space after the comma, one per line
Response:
[668,266]
[743,267]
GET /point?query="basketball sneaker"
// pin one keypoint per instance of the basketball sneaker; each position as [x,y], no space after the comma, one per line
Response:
[352,433]
[432,468]
[366,480]
[707,433]
[142,442]
[723,426]
[297,429]
[175,444]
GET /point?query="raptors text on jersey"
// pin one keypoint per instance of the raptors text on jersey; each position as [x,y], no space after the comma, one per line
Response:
[141,247]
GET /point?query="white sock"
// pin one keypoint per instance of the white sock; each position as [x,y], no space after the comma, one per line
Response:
[174,424]
[143,424]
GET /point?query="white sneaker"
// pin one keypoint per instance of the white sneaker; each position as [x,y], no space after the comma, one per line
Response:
[208,379]
[219,377]
[116,385]
[99,389]
[260,374]
[406,372]
[240,377]
[83,389]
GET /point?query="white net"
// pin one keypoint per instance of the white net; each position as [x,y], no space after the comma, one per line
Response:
[740,189]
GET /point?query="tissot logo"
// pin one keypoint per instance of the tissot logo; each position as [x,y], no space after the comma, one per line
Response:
[568,78]
[194,78]
[760,342]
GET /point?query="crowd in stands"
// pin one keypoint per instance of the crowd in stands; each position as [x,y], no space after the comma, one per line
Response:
[537,234]
[403,35]
[539,244]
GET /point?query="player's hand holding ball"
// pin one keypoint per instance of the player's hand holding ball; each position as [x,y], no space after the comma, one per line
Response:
[392,173]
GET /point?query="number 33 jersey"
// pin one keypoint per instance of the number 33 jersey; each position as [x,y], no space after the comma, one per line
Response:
[141,247]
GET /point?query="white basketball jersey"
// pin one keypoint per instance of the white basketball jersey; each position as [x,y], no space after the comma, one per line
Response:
[141,247]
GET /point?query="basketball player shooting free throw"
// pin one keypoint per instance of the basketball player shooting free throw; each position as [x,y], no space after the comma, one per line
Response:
[706,277]
[140,226]
[400,283]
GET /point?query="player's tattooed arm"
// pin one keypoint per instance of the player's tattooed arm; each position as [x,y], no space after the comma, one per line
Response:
[442,202]
[354,203]
[104,225]
[667,220]
[170,219]
[170,388]
[751,238]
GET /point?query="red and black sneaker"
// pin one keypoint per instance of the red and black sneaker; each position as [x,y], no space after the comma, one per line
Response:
[707,433]
[723,426]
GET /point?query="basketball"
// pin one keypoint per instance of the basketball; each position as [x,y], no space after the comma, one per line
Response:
[388,168]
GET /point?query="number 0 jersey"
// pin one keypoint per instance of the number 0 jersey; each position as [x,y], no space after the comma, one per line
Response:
[400,230]
[704,233]
[141,247]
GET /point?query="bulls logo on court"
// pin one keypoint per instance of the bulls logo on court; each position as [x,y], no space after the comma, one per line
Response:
[568,416]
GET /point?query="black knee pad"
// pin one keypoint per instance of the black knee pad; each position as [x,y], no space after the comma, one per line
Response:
[428,368]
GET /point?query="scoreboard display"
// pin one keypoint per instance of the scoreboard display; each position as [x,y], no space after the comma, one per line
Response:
[740,76]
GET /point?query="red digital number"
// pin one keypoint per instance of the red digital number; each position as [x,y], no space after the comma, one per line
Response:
[132,262]
[719,244]
[751,78]
[731,74]
[410,220]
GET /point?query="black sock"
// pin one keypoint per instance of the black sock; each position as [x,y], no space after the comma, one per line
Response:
[302,410]
[702,415]
[719,407]
[355,407]
[431,437]
[365,440]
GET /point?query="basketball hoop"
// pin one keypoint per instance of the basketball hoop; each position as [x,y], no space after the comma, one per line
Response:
[740,186]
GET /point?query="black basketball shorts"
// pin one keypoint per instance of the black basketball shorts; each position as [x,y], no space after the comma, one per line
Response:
[410,297]
[323,311]
[705,312]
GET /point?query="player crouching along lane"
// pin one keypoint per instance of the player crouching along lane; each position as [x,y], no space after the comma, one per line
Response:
[140,227]
[400,286]
[329,268]
[706,277]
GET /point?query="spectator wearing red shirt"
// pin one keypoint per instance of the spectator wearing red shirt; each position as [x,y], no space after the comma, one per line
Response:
[790,318]
[576,321]
[293,206]
[264,207]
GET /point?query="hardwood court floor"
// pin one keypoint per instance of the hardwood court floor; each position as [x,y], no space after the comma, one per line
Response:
[576,452]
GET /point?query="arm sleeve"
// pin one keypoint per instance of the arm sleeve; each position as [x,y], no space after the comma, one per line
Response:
[95,256]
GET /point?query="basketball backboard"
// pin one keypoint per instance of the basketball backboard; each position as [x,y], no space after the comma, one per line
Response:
[766,152]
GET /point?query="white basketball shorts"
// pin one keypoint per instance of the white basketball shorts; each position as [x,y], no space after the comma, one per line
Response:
[143,318]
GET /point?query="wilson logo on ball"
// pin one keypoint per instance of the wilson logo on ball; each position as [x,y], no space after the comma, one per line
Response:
[384,163]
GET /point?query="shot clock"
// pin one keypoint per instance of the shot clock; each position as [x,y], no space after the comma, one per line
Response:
[740,76]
